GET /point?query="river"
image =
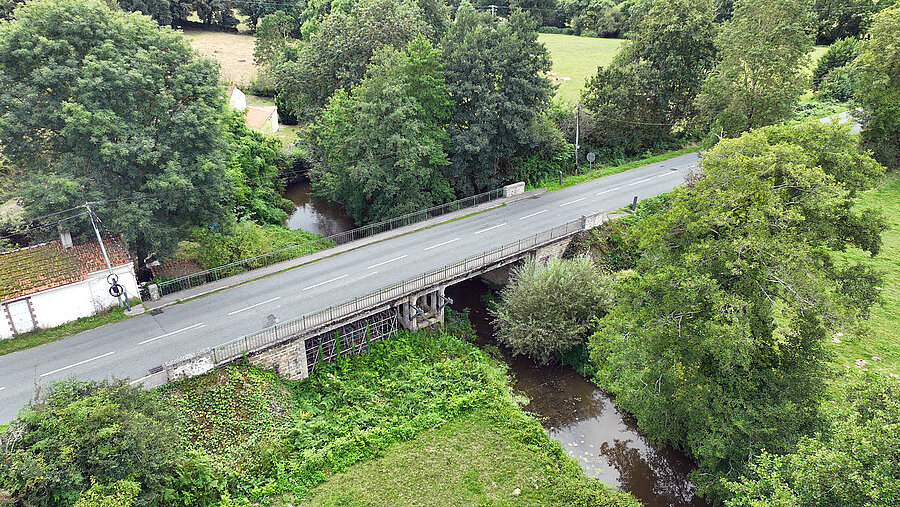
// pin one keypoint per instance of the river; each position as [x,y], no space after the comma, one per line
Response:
[315,215]
[580,415]
[584,419]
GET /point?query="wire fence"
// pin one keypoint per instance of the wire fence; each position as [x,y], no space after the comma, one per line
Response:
[306,248]
[306,323]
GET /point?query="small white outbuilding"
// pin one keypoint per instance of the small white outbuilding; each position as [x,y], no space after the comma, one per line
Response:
[43,286]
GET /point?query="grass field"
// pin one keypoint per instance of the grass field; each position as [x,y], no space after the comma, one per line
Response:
[477,460]
[883,339]
[577,58]
[233,51]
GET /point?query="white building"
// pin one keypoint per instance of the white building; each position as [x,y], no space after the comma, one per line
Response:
[261,118]
[43,286]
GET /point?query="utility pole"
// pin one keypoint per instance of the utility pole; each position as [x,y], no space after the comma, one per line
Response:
[577,122]
[112,275]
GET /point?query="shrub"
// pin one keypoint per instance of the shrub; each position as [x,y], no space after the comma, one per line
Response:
[838,55]
[547,310]
[100,442]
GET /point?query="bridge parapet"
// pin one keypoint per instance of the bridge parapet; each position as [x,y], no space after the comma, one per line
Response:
[427,287]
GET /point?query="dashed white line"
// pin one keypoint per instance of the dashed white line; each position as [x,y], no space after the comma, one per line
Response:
[385,262]
[533,214]
[572,202]
[641,181]
[254,306]
[367,275]
[442,244]
[610,190]
[491,228]
[326,281]
[199,324]
[2,388]
[77,364]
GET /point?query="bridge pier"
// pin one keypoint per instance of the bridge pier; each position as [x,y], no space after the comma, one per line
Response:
[422,310]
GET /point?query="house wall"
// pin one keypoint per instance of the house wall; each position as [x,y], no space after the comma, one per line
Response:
[238,100]
[64,304]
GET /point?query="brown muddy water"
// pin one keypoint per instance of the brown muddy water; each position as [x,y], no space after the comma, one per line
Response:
[582,417]
[315,215]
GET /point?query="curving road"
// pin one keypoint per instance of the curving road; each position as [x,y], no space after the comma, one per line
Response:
[131,347]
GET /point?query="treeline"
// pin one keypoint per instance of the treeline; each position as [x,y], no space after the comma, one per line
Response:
[707,315]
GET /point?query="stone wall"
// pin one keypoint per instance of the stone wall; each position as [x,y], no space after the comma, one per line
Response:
[514,189]
[288,359]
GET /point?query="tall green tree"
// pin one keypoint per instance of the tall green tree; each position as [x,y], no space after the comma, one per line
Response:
[879,88]
[762,52]
[496,76]
[840,19]
[98,105]
[716,341]
[338,53]
[645,97]
[380,148]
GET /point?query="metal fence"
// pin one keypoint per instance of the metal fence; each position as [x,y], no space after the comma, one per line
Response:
[294,327]
[295,251]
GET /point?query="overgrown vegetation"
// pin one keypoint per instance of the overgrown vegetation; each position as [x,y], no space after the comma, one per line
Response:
[240,433]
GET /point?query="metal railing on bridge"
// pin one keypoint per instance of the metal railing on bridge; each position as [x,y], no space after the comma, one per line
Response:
[300,325]
[308,247]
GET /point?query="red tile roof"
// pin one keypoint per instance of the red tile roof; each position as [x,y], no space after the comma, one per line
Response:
[257,116]
[48,265]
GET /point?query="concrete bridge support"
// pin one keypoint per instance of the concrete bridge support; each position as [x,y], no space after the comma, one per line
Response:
[422,310]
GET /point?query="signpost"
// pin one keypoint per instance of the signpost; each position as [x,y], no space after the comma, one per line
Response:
[591,157]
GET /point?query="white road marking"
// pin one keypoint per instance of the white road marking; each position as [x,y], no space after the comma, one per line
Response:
[367,276]
[641,181]
[533,214]
[572,202]
[385,262]
[326,281]
[490,228]
[610,190]
[78,364]
[2,388]
[254,306]
[442,244]
[199,324]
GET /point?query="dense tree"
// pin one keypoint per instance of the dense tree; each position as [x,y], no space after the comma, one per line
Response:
[716,341]
[255,10]
[879,88]
[855,462]
[254,169]
[381,146]
[496,75]
[645,96]
[216,12]
[103,106]
[336,56]
[762,51]
[548,310]
[838,19]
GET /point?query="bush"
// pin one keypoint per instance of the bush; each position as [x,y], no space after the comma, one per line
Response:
[92,443]
[547,310]
[840,84]
[555,30]
[838,55]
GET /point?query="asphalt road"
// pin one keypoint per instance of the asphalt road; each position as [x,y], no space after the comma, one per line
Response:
[128,349]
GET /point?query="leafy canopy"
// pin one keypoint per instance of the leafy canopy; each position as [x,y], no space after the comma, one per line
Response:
[645,96]
[381,146]
[879,88]
[762,51]
[715,342]
[98,105]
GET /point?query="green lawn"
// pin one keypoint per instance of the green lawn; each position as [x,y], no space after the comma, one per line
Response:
[883,339]
[476,460]
[577,58]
